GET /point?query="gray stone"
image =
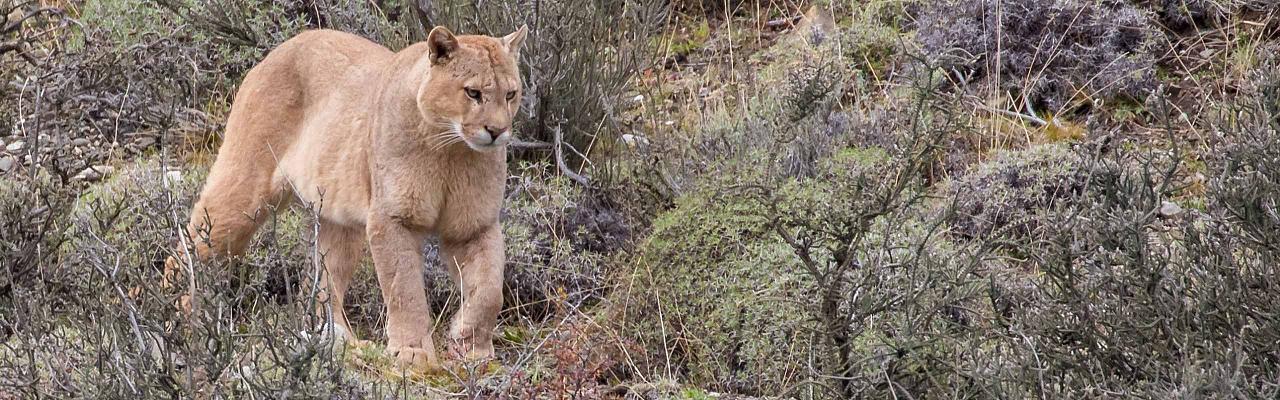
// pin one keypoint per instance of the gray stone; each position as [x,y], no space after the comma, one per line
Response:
[1170,209]
[94,173]
[174,177]
[7,163]
[17,145]
[145,142]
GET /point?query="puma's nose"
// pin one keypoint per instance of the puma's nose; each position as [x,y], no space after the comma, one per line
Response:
[494,132]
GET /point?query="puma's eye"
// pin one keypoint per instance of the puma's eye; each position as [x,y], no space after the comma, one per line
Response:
[511,95]
[473,94]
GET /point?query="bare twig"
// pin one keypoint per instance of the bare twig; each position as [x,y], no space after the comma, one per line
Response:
[564,168]
[783,22]
[533,145]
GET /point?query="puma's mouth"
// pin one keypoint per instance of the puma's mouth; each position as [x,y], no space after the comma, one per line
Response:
[477,142]
[484,148]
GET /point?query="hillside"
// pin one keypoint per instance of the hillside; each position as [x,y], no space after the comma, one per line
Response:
[708,199]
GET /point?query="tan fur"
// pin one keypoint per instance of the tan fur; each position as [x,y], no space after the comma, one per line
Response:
[388,148]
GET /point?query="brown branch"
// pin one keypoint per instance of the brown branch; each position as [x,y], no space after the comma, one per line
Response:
[422,10]
[783,22]
[534,145]
[13,26]
[564,168]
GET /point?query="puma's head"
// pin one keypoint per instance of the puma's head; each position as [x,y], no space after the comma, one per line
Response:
[473,88]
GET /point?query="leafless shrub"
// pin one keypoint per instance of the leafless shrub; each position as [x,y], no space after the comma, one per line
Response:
[32,214]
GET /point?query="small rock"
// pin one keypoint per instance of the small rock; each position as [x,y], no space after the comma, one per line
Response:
[1170,209]
[173,177]
[17,145]
[80,142]
[145,142]
[94,173]
[14,16]
[634,140]
[7,163]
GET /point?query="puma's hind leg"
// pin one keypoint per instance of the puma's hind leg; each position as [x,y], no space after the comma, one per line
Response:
[243,182]
[341,249]
[229,210]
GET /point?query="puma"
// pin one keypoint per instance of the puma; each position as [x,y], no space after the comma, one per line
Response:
[388,148]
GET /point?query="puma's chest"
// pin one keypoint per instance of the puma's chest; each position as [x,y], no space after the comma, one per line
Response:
[448,202]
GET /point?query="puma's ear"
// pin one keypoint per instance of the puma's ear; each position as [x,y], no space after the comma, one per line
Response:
[442,45]
[514,40]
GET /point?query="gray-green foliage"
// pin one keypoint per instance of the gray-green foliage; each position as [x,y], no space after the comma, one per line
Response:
[718,295]
[788,120]
[810,286]
[1007,197]
[1136,300]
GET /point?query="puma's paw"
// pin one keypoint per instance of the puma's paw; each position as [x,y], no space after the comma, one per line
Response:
[465,346]
[416,358]
[341,335]
[469,350]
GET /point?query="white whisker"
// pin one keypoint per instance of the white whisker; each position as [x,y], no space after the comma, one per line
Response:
[444,134]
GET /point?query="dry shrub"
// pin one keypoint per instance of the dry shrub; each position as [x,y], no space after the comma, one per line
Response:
[32,216]
[1137,300]
[1055,54]
[1190,15]
[130,76]
[719,9]
[1136,295]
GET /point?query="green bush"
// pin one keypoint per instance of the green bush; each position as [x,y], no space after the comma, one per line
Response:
[714,293]
[1006,198]
[809,288]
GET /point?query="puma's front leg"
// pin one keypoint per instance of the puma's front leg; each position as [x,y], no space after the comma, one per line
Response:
[397,257]
[478,263]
